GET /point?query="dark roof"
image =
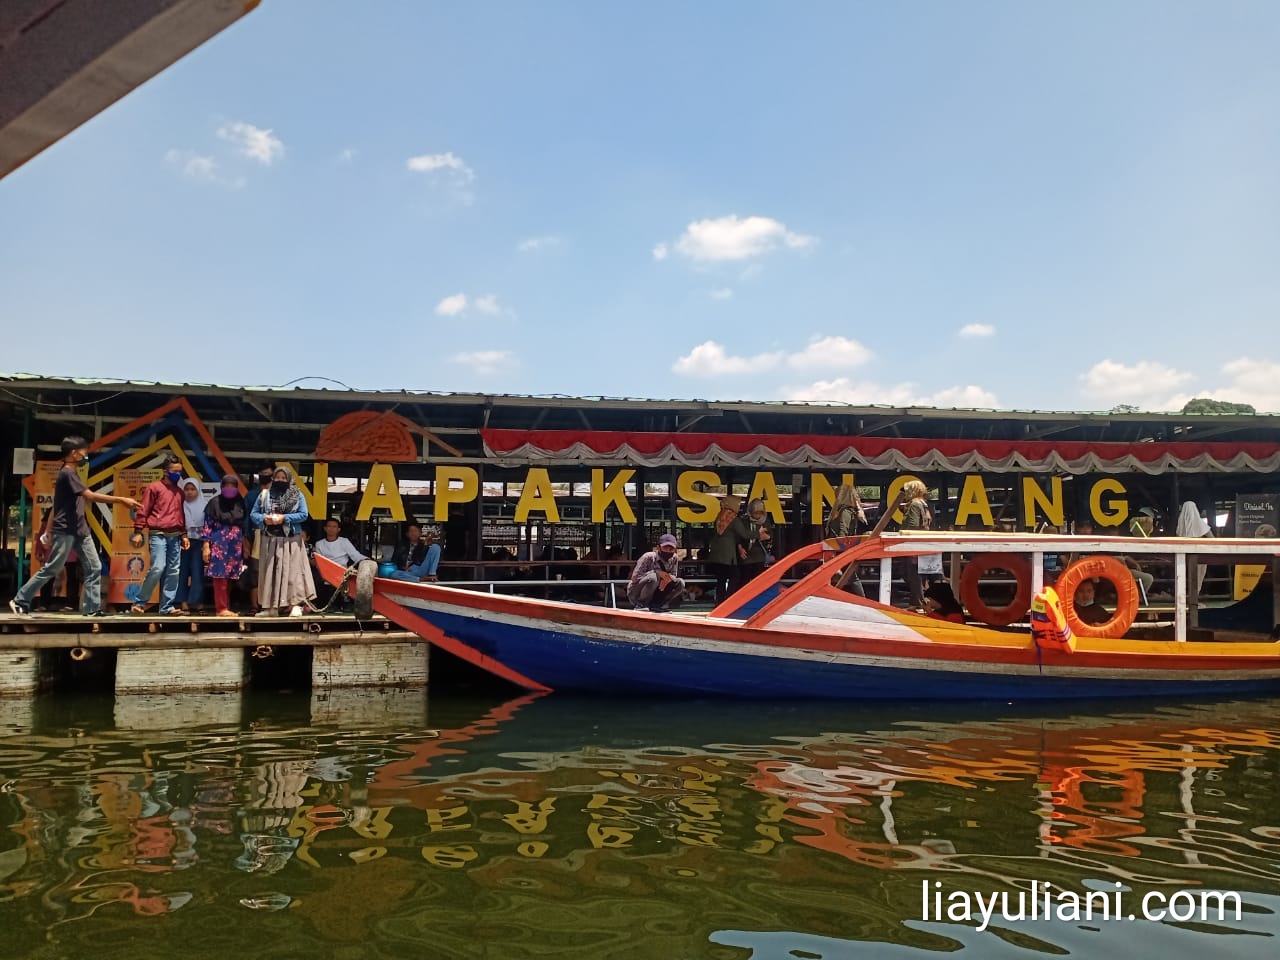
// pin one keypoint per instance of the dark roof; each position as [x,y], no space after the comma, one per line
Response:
[287,418]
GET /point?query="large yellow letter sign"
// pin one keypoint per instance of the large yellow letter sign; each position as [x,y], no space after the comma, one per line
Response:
[537,495]
[381,491]
[1033,496]
[468,489]
[614,492]
[686,490]
[973,500]
[1116,511]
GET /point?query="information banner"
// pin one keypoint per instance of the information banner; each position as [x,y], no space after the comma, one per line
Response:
[128,563]
[43,479]
[1256,516]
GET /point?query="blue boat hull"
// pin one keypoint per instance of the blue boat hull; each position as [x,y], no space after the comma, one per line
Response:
[567,661]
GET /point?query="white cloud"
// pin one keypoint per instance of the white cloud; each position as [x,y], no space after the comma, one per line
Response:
[1255,382]
[734,238]
[709,359]
[430,162]
[486,303]
[977,330]
[1148,385]
[201,167]
[830,353]
[346,155]
[534,244]
[485,361]
[197,166]
[966,396]
[659,251]
[253,142]
[721,293]
[844,390]
[452,306]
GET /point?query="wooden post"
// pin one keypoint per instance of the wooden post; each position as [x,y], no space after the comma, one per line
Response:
[204,670]
[369,665]
[23,673]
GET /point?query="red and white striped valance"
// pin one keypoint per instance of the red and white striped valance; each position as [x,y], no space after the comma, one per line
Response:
[877,453]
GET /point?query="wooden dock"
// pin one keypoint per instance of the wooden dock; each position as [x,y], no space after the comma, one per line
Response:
[53,631]
[154,653]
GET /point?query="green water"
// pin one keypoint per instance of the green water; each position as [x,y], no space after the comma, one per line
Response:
[383,825]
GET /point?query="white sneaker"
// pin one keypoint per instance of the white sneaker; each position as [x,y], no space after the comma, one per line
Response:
[296,611]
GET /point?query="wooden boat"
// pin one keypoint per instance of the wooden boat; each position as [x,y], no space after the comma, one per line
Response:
[810,638]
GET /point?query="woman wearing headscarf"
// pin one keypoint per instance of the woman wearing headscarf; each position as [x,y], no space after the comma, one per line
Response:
[754,539]
[223,536]
[190,567]
[1191,524]
[722,549]
[284,572]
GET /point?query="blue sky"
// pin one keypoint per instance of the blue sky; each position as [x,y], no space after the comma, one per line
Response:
[1006,205]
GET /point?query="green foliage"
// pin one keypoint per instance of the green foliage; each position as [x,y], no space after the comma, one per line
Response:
[1208,405]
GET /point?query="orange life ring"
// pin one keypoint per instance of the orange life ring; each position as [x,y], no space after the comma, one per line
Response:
[1106,568]
[979,567]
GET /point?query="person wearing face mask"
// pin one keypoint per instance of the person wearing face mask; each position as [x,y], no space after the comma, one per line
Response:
[253,538]
[284,571]
[223,541]
[754,536]
[67,529]
[162,516]
[191,568]
[1086,606]
[655,582]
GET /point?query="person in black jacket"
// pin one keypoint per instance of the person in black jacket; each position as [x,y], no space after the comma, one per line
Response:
[412,549]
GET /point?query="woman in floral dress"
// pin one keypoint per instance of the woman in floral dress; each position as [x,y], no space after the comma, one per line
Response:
[224,541]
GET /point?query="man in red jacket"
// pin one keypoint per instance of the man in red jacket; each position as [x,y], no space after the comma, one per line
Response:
[161,513]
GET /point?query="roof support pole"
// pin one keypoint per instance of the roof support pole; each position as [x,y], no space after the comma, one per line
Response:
[1180,597]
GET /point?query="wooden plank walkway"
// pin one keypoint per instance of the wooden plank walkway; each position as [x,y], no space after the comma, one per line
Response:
[51,631]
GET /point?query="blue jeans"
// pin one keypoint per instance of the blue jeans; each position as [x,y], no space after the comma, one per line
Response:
[90,571]
[166,556]
[427,568]
[191,568]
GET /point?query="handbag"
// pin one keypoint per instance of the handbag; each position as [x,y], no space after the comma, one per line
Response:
[44,548]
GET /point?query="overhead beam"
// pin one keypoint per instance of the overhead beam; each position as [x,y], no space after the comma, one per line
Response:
[62,63]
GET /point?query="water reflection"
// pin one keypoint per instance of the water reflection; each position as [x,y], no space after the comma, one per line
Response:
[559,827]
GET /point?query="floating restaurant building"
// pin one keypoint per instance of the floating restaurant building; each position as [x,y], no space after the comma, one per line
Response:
[602,474]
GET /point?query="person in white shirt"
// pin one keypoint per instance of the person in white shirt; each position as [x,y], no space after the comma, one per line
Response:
[337,548]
